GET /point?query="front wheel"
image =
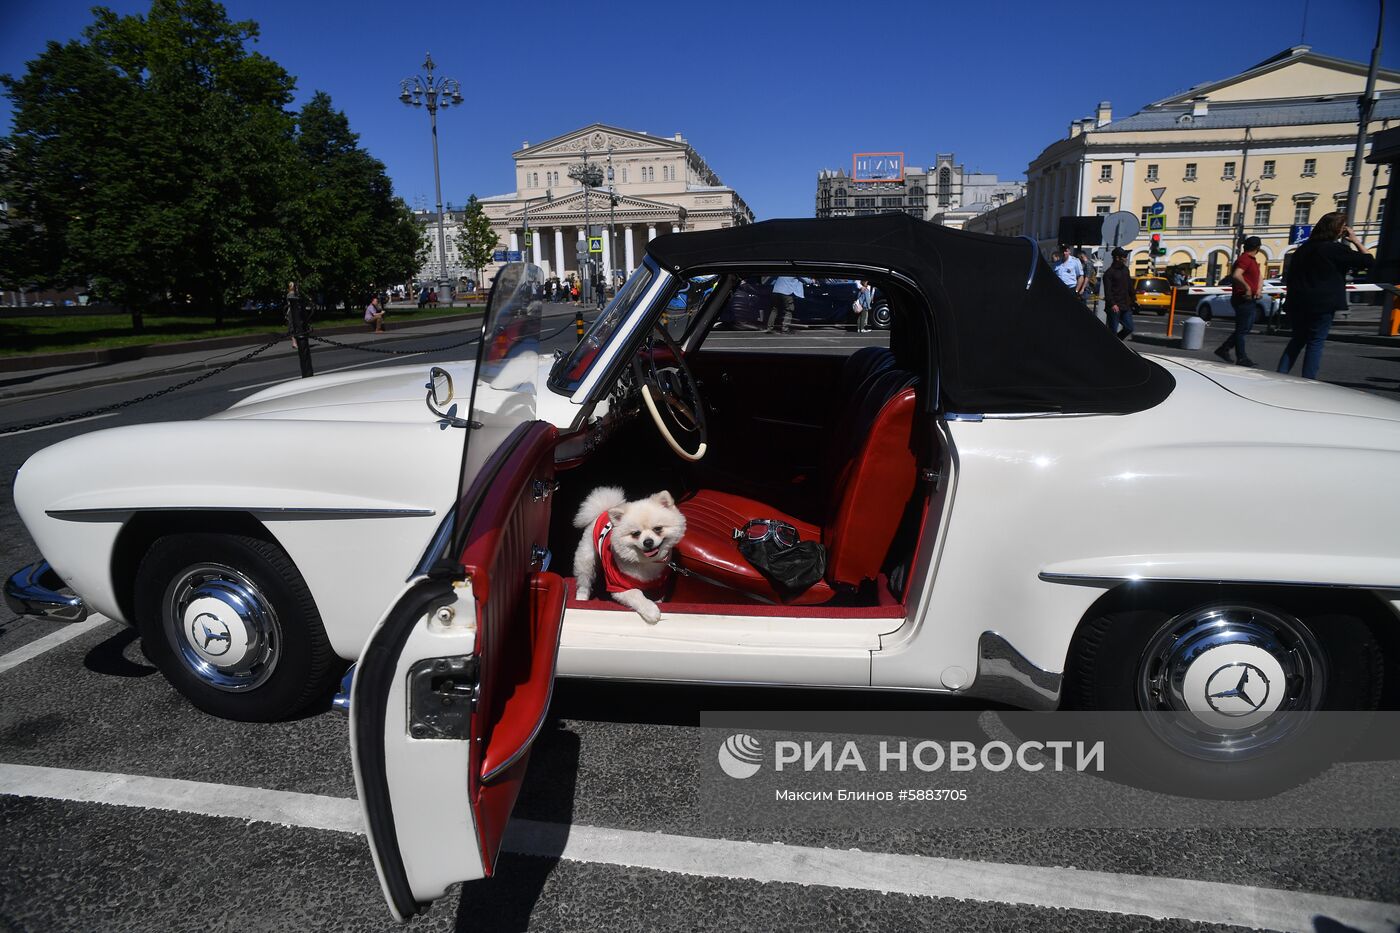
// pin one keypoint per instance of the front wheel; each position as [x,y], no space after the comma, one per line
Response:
[1231,690]
[231,624]
[1204,313]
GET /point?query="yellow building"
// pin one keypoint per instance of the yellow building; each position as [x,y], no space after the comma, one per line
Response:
[1247,155]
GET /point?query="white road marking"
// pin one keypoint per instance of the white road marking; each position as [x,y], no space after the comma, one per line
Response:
[917,875]
[324,372]
[31,650]
[63,424]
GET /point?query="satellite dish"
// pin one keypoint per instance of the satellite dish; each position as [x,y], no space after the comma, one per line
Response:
[1120,228]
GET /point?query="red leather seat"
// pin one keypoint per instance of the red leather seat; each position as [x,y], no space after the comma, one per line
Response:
[709,550]
[872,475]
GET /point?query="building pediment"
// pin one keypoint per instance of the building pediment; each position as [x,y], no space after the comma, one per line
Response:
[1294,72]
[571,206]
[597,138]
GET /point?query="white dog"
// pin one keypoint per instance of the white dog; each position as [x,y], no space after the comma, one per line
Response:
[632,541]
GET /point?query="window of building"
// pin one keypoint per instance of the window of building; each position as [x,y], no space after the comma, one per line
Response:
[1145,213]
[840,192]
[1262,211]
[1302,210]
[945,187]
[1222,215]
[1186,215]
[1105,173]
[1342,205]
[1151,172]
[865,202]
[1268,171]
[891,202]
[1229,170]
[622,172]
[1102,209]
[1309,167]
[1380,211]
[1190,171]
[666,173]
[1350,166]
[840,202]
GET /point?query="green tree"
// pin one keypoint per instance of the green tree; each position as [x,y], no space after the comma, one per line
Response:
[354,233]
[154,158]
[477,241]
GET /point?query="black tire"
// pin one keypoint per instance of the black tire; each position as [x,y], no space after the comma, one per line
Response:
[881,316]
[1204,314]
[1114,656]
[298,665]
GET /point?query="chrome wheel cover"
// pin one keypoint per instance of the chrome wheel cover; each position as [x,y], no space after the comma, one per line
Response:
[222,627]
[1227,682]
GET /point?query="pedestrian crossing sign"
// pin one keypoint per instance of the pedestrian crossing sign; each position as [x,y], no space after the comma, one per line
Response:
[595,244]
[1156,222]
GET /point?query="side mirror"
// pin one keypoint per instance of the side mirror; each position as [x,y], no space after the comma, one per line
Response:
[439,386]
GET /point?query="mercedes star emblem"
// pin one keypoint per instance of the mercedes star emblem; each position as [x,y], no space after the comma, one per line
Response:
[1237,689]
[210,634]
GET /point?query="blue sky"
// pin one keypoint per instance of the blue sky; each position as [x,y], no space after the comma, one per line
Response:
[767,92]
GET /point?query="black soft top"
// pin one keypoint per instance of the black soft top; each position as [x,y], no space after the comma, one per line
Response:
[1002,346]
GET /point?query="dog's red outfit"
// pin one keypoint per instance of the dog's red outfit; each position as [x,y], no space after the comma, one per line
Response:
[613,576]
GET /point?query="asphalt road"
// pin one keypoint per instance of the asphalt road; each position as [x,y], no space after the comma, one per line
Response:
[613,758]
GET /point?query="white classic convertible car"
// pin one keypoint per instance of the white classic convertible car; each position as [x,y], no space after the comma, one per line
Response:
[1014,507]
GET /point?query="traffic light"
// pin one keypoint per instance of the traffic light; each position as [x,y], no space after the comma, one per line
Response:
[1157,248]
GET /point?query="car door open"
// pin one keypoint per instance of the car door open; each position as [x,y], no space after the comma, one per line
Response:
[455,681]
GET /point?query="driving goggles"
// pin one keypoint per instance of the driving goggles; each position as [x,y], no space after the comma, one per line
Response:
[764,529]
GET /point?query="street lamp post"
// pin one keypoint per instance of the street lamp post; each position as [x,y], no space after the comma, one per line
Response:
[612,217]
[420,90]
[590,176]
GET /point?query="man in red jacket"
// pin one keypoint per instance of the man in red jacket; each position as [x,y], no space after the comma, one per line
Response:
[1246,284]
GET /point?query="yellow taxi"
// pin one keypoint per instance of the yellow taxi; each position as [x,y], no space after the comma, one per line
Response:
[1152,293]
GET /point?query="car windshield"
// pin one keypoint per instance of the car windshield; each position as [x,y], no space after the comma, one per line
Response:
[570,370]
[1152,285]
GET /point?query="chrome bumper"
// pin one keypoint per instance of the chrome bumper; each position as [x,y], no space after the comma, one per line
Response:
[37,590]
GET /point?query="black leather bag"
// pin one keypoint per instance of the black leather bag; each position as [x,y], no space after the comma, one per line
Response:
[791,570]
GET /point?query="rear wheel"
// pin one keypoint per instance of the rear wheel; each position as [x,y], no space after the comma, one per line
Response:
[880,316]
[1203,313]
[1232,689]
[230,623]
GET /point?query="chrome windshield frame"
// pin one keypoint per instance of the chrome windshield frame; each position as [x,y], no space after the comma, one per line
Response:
[622,338]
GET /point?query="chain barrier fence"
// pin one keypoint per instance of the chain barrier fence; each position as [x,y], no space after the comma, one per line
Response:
[118,406]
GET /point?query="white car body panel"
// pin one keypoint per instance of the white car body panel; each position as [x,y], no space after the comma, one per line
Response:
[703,647]
[1020,496]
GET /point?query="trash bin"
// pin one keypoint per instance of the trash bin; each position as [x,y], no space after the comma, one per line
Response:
[1193,333]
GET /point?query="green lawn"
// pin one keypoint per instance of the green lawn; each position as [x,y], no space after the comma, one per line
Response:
[23,335]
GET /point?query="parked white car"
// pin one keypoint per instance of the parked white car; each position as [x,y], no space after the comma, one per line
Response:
[1014,506]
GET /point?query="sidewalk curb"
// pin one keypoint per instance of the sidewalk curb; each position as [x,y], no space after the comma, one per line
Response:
[195,366]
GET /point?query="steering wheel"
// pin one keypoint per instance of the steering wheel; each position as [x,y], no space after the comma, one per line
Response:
[671,395]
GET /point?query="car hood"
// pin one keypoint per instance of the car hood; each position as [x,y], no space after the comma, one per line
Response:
[393,394]
[1291,393]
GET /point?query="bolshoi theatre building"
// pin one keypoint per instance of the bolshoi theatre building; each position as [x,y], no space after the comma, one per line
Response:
[642,186]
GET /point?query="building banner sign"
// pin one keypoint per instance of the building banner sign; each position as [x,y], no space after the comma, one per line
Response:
[877,166]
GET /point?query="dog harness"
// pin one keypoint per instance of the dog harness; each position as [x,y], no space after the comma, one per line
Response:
[614,577]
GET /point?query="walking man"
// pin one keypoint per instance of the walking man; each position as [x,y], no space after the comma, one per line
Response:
[786,290]
[1070,271]
[1246,283]
[1118,295]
